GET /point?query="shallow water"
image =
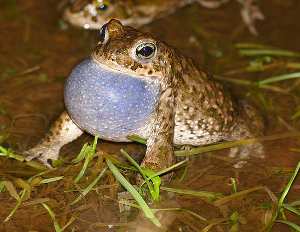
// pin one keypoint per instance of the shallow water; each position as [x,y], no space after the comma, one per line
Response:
[37,54]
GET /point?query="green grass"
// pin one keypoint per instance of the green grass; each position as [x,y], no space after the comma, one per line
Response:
[135,194]
[87,153]
[8,153]
[85,191]
[254,50]
[279,214]
[153,183]
[279,78]
[57,227]
[210,196]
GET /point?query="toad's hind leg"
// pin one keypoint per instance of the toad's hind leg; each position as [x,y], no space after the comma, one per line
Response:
[63,131]
[249,125]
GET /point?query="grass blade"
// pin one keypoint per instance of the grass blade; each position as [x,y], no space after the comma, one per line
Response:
[11,189]
[283,77]
[23,193]
[289,185]
[211,196]
[53,179]
[291,209]
[268,52]
[144,207]
[290,224]
[138,139]
[52,215]
[153,186]
[220,146]
[89,187]
[88,153]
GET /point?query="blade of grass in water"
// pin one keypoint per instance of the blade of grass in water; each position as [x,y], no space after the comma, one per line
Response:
[220,146]
[251,84]
[211,196]
[89,187]
[52,215]
[279,78]
[290,224]
[144,207]
[288,186]
[166,170]
[8,153]
[268,52]
[53,179]
[153,186]
[88,154]
[57,227]
[295,203]
[124,202]
[236,195]
[230,144]
[23,193]
[296,115]
[138,139]
[280,204]
[292,209]
[250,45]
[81,154]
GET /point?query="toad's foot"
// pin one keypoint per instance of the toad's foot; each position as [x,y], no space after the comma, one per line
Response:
[63,131]
[250,13]
[184,148]
[212,4]
[43,153]
[243,153]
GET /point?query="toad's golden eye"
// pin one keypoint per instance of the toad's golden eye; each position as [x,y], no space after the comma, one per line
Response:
[145,51]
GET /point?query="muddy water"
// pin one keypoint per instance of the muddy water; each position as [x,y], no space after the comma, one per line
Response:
[37,52]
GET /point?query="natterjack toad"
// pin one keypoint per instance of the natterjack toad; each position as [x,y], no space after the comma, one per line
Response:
[92,14]
[136,84]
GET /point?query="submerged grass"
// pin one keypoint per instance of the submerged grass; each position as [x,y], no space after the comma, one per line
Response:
[27,187]
[85,191]
[253,49]
[144,207]
[57,227]
[215,198]
[279,78]
[210,196]
[8,153]
[229,144]
[87,153]
[223,145]
[153,183]
[279,215]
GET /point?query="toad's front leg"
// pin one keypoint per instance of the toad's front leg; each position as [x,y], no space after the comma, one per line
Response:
[63,131]
[159,153]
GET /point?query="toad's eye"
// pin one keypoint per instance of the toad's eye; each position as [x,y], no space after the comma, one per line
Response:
[102,7]
[145,51]
[103,35]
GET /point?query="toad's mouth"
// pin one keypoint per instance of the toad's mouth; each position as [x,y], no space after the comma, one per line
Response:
[107,102]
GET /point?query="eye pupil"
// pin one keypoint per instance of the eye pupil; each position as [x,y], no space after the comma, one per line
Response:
[145,51]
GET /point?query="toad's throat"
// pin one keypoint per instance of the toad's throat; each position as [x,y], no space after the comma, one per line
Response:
[109,103]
